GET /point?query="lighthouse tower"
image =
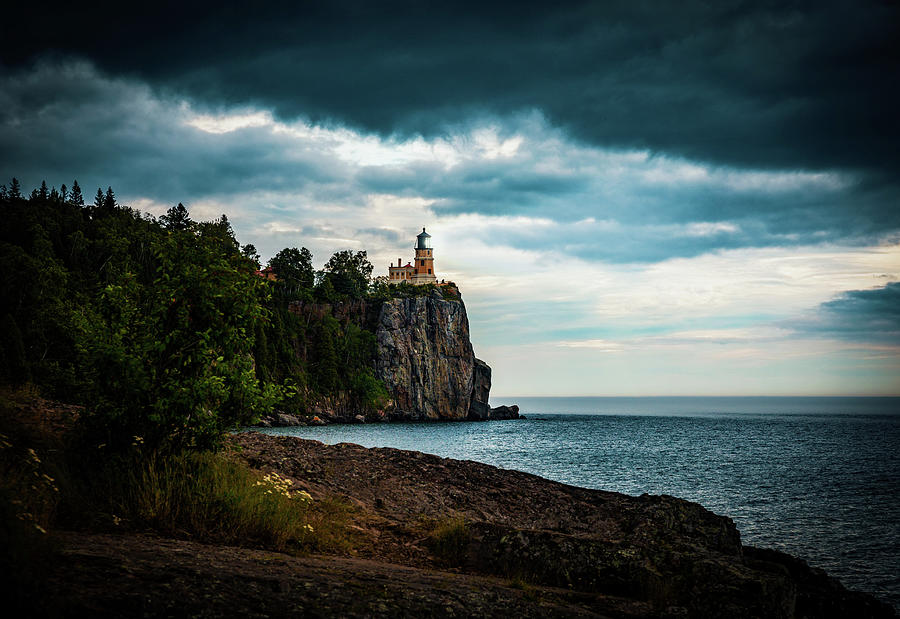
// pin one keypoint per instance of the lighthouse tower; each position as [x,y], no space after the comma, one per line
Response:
[424,264]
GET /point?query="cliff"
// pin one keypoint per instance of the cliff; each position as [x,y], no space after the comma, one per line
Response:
[425,359]
[421,353]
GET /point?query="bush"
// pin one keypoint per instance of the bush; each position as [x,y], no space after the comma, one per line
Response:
[173,358]
[205,496]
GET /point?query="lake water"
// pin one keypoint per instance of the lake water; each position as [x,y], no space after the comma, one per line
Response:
[818,478]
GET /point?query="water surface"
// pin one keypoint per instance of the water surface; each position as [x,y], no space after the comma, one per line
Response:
[818,478]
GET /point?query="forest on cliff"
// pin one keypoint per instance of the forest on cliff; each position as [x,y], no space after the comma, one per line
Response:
[164,327]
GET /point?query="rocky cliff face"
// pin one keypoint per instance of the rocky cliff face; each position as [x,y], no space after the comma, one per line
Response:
[426,361]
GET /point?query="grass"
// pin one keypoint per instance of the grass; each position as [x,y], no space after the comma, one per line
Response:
[210,498]
[449,540]
[46,483]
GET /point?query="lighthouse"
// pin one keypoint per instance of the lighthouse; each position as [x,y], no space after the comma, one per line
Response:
[421,270]
[424,264]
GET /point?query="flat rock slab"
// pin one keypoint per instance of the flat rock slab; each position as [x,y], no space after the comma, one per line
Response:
[104,575]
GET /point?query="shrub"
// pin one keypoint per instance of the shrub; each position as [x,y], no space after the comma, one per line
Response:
[208,497]
[173,358]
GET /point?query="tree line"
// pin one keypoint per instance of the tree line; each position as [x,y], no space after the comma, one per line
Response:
[162,327]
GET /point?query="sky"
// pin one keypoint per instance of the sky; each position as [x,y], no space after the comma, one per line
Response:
[635,198]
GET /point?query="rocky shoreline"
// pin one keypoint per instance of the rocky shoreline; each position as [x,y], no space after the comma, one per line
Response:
[647,556]
[280,419]
[449,538]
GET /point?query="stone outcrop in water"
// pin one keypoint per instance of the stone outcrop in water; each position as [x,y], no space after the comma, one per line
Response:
[426,361]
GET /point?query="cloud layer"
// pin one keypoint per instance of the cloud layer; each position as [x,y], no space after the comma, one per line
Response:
[65,120]
[636,197]
[871,316]
[800,85]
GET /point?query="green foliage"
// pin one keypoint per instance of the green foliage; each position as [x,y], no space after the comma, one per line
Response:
[325,377]
[249,252]
[325,292]
[13,363]
[29,496]
[380,289]
[405,290]
[294,270]
[162,329]
[76,198]
[151,327]
[173,358]
[109,200]
[15,192]
[349,273]
[177,218]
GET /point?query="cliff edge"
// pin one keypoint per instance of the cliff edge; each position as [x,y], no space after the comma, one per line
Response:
[425,359]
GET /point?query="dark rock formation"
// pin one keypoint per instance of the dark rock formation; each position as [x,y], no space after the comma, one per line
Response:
[624,556]
[504,412]
[479,409]
[424,357]
[426,361]
[279,419]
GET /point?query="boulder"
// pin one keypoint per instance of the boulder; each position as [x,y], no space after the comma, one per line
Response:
[285,419]
[504,412]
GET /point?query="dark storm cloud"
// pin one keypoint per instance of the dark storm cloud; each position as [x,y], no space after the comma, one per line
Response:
[63,122]
[60,121]
[860,315]
[797,85]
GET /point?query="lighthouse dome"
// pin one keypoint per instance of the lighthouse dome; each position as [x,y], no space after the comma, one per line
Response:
[423,240]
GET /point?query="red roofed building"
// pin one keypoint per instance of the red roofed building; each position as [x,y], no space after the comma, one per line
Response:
[267,273]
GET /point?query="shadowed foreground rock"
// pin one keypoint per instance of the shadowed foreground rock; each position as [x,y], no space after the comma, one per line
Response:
[648,556]
[434,537]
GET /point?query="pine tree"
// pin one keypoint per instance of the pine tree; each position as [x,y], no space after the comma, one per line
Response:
[249,252]
[15,191]
[98,199]
[44,192]
[176,218]
[63,192]
[77,198]
[54,195]
[109,202]
[3,192]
